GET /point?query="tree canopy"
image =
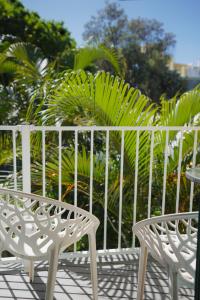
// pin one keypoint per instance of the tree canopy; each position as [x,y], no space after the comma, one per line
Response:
[18,24]
[145,47]
[34,52]
[108,27]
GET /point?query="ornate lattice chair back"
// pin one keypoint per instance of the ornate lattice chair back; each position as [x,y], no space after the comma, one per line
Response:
[171,240]
[34,227]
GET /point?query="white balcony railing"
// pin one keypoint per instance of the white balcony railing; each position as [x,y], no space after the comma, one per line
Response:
[145,155]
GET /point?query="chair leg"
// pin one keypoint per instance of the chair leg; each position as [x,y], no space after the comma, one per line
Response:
[53,265]
[1,249]
[173,284]
[93,264]
[141,272]
[31,270]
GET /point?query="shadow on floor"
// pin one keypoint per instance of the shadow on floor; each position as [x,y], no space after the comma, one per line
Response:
[117,277]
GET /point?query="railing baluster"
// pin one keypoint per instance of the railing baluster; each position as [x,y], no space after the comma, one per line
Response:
[150,174]
[106,192]
[91,167]
[179,171]
[26,173]
[136,182]
[75,173]
[165,172]
[14,159]
[26,158]
[193,165]
[43,164]
[60,166]
[121,191]
[76,167]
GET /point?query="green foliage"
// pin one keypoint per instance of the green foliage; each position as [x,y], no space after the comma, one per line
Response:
[180,111]
[28,45]
[17,24]
[84,99]
[24,68]
[145,47]
[149,72]
[102,98]
[68,171]
[173,112]
[25,61]
[108,27]
[88,55]
[81,98]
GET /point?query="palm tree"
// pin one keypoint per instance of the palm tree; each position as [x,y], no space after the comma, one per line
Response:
[24,69]
[81,98]
[77,97]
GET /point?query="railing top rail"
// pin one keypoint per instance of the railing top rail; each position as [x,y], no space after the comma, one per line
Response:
[98,128]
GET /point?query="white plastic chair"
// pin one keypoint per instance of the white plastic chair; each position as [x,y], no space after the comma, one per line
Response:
[54,227]
[172,241]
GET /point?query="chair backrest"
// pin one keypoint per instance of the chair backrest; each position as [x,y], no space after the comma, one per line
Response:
[30,225]
[172,240]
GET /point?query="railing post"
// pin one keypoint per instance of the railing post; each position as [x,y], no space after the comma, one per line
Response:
[26,175]
[26,158]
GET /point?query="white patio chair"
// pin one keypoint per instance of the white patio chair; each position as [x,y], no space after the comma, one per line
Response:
[172,241]
[54,227]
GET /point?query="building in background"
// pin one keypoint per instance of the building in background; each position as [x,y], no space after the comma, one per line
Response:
[193,71]
[190,72]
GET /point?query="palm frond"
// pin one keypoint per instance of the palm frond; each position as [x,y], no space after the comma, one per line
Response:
[107,101]
[88,55]
[68,170]
[26,59]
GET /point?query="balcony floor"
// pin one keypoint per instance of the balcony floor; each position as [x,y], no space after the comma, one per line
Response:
[117,276]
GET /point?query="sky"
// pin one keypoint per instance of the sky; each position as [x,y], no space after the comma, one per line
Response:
[178,16]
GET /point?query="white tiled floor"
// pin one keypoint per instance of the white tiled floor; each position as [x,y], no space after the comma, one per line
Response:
[117,277]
